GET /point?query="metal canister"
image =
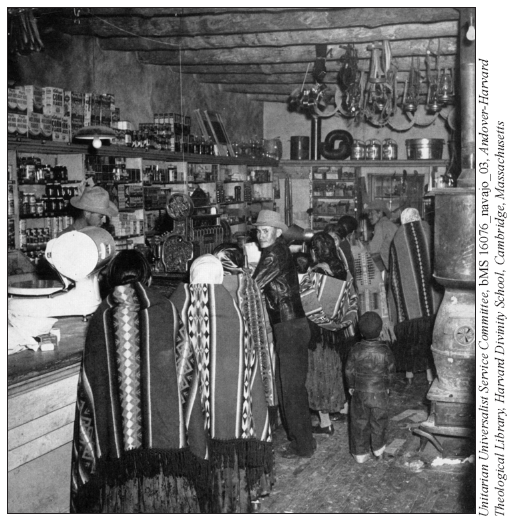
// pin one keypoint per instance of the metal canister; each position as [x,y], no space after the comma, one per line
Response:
[373,149]
[39,207]
[358,150]
[389,150]
[32,203]
[23,241]
[10,201]
[237,193]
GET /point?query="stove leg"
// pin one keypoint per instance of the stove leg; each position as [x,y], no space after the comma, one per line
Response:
[428,437]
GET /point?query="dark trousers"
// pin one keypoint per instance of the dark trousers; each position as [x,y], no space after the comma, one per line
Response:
[291,340]
[368,421]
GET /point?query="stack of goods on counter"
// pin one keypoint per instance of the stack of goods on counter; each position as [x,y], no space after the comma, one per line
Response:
[130,196]
[55,114]
[128,223]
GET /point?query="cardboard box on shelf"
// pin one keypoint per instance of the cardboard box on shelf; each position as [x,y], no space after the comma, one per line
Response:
[34,125]
[88,100]
[12,124]
[22,124]
[46,127]
[34,99]
[53,101]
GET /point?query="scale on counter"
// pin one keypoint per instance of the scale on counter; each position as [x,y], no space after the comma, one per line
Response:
[78,257]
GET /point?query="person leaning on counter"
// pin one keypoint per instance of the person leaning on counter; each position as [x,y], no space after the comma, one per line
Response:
[94,205]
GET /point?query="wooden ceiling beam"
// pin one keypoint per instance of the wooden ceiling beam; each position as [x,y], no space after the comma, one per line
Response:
[403,64]
[286,89]
[297,53]
[295,78]
[161,22]
[280,39]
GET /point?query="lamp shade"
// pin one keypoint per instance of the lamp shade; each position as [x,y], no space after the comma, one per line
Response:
[93,132]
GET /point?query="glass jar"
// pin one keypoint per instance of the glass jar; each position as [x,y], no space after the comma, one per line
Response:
[373,149]
[389,150]
[358,150]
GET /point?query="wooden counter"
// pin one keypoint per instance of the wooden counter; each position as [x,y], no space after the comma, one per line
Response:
[42,389]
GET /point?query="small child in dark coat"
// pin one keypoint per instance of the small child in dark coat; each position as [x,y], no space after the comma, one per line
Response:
[369,371]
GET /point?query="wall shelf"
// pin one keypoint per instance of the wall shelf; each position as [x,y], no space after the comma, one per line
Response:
[38,147]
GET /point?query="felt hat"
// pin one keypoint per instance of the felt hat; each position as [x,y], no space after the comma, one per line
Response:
[370,325]
[270,219]
[95,199]
[378,205]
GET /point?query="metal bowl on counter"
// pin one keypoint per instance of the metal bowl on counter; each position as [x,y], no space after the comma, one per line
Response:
[424,149]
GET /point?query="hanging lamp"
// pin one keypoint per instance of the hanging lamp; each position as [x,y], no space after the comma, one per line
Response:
[97,133]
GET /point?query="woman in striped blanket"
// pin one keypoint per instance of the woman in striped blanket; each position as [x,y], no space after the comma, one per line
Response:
[415,295]
[325,376]
[224,382]
[133,449]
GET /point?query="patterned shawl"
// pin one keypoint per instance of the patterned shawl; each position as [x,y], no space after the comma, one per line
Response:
[246,293]
[130,443]
[228,383]
[415,297]
[372,293]
[411,272]
[329,302]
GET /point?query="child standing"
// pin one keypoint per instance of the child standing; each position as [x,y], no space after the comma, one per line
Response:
[369,372]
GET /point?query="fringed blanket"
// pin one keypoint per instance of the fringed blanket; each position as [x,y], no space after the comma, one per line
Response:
[415,296]
[227,381]
[247,295]
[130,450]
[372,293]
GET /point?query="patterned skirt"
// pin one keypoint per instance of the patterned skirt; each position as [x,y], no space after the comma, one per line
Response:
[325,375]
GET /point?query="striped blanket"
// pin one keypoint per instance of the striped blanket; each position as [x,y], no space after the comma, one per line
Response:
[372,292]
[415,295]
[130,445]
[227,385]
[329,302]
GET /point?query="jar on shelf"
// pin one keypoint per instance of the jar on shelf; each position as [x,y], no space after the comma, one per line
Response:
[389,150]
[373,149]
[358,150]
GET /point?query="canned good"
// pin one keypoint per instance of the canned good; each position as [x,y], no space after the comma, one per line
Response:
[358,150]
[373,149]
[23,241]
[389,150]
[23,226]
[59,223]
[39,208]
[32,198]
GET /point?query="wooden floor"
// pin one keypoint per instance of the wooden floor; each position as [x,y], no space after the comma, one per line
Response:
[406,482]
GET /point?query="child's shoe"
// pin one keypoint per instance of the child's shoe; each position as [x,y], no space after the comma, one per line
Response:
[361,458]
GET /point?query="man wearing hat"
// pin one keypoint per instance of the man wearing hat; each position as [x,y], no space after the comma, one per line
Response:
[94,205]
[276,276]
[383,233]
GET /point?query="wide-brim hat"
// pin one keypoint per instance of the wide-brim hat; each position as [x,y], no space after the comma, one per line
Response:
[378,205]
[268,218]
[95,199]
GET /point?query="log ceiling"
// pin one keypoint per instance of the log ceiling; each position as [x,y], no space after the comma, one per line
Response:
[263,52]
